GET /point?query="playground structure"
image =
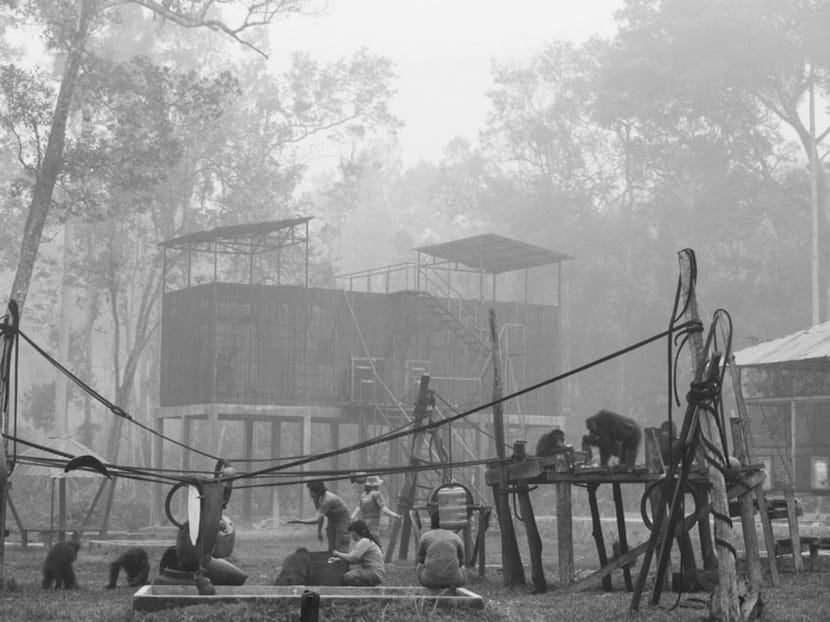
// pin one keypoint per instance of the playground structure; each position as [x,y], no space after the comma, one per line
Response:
[703,470]
[253,353]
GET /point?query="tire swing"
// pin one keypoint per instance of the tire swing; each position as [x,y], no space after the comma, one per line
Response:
[204,538]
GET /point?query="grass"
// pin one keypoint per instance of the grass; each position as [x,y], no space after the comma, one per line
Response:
[800,598]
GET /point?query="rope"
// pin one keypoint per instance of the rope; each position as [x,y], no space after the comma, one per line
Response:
[113,408]
[687,326]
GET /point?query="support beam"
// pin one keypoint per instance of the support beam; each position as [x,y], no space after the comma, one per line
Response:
[534,541]
[596,531]
[621,533]
[564,532]
[276,451]
[248,452]
[156,511]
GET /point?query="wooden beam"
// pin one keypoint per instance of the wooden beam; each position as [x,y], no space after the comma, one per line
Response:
[564,532]
[512,571]
[592,579]
[599,539]
[621,534]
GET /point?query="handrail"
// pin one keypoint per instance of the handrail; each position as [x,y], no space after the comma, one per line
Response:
[423,278]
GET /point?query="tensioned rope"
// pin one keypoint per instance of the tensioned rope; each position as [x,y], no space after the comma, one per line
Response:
[690,325]
[118,411]
[120,471]
[114,408]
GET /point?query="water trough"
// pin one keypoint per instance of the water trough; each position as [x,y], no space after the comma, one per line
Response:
[158,597]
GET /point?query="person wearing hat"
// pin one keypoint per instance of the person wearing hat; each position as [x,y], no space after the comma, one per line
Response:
[332,510]
[372,505]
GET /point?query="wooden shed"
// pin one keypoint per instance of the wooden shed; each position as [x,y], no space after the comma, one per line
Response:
[786,386]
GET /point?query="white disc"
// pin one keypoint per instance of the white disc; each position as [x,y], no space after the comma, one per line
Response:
[194,511]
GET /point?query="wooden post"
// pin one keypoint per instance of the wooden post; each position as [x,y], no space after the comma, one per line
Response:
[512,571]
[403,528]
[276,450]
[596,526]
[105,523]
[795,537]
[753,559]
[534,541]
[248,441]
[740,443]
[481,537]
[61,508]
[621,534]
[157,513]
[704,528]
[564,532]
[727,575]
[10,326]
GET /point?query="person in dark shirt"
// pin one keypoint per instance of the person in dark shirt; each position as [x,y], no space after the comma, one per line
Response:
[440,559]
[332,511]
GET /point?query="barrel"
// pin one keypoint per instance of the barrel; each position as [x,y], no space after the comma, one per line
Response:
[451,504]
[324,572]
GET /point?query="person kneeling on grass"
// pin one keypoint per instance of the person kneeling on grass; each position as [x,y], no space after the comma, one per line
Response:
[440,559]
[365,559]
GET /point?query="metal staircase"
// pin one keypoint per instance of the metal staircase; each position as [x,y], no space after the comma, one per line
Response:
[467,334]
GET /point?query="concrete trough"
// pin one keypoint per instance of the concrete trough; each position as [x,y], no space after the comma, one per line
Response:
[158,597]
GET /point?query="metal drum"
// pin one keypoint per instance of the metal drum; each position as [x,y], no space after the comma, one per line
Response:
[452,502]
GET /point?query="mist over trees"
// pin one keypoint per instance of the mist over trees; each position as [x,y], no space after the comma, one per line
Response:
[690,128]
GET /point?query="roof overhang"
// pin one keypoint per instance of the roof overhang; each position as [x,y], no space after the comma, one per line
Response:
[246,238]
[493,254]
[806,349]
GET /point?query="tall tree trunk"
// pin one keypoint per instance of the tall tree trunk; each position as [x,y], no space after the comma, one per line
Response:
[50,166]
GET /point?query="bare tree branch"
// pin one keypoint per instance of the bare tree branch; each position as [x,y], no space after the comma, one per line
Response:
[208,14]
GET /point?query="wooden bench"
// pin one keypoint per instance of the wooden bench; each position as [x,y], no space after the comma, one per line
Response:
[808,543]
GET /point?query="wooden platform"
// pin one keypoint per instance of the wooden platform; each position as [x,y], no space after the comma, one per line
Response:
[120,544]
[158,597]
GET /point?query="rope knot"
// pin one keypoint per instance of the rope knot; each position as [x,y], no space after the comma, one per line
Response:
[703,392]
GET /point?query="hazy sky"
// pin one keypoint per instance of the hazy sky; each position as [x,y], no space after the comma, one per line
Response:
[442,50]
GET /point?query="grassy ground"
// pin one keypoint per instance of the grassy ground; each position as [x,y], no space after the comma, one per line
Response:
[801,597]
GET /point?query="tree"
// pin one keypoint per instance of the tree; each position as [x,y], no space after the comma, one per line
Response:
[745,66]
[69,28]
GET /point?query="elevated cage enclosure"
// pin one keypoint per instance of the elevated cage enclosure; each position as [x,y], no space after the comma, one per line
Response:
[259,363]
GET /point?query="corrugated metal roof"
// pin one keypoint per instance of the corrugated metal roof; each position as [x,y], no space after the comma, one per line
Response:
[811,344]
[234,233]
[64,445]
[493,253]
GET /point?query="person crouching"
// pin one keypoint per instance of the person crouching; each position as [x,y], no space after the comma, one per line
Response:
[365,559]
[440,559]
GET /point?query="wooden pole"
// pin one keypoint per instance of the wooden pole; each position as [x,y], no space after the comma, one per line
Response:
[565,532]
[10,325]
[740,443]
[795,537]
[621,534]
[534,540]
[596,525]
[727,575]
[512,571]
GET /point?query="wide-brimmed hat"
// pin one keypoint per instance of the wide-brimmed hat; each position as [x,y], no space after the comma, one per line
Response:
[373,480]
